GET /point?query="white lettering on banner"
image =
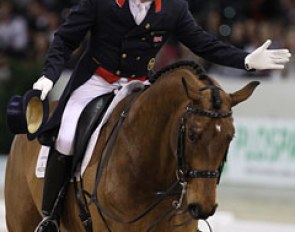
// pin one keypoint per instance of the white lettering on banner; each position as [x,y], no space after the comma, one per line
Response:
[262,152]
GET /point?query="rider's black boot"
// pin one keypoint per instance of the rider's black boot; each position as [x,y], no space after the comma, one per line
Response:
[57,177]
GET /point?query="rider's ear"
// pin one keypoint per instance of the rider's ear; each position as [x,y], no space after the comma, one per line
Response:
[190,89]
[244,93]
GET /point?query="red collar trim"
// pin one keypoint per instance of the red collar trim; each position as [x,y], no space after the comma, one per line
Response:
[120,2]
[158,5]
[157,2]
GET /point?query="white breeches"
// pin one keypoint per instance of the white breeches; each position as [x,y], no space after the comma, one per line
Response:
[94,87]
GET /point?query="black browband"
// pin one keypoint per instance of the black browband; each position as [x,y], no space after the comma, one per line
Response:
[210,114]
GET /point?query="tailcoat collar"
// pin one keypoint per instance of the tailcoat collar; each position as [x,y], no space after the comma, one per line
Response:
[158,4]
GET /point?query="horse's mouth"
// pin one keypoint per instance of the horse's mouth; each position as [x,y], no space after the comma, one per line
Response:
[197,212]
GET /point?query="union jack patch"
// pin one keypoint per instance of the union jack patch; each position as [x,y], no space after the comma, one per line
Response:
[158,39]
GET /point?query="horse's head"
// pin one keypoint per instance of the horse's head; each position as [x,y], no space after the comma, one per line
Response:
[204,135]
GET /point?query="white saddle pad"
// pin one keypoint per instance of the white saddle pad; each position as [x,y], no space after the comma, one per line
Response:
[119,95]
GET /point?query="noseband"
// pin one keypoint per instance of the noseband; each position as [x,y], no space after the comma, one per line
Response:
[183,173]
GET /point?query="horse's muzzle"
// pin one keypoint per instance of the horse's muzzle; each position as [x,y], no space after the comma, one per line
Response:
[197,212]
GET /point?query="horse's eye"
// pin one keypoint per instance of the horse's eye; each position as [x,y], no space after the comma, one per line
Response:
[192,136]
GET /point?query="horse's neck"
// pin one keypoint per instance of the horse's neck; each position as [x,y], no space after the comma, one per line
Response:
[159,106]
[143,162]
[164,98]
[145,140]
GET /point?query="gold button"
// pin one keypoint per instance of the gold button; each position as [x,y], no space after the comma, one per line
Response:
[147,26]
[133,75]
[138,58]
[152,33]
[118,72]
[124,55]
[151,64]
[143,39]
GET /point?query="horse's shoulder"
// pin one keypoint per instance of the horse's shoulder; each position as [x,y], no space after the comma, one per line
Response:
[122,105]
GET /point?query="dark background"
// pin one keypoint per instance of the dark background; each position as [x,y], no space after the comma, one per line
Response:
[27,27]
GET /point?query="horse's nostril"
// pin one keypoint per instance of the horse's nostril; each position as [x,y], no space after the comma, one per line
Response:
[194,210]
[197,212]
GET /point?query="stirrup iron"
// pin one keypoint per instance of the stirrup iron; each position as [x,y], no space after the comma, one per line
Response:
[45,223]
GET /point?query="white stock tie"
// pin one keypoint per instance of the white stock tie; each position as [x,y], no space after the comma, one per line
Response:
[139,17]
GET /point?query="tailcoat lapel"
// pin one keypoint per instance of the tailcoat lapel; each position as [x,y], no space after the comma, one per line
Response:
[124,15]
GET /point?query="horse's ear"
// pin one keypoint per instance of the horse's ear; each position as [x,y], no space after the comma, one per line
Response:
[244,93]
[190,89]
[184,83]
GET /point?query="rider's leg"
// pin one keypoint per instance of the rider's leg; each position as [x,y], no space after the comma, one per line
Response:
[57,177]
[58,167]
[94,87]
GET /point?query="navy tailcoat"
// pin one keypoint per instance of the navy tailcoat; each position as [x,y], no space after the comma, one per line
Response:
[124,48]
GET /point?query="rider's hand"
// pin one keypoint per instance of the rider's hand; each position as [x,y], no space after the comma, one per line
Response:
[264,58]
[43,84]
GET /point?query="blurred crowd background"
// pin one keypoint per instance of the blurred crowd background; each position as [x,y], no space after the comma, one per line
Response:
[27,28]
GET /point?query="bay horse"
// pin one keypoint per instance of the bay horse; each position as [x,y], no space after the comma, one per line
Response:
[162,171]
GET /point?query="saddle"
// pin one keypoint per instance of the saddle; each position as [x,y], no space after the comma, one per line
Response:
[89,119]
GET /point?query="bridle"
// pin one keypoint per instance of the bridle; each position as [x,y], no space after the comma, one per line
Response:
[183,173]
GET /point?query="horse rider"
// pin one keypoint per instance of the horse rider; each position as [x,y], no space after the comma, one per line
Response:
[125,36]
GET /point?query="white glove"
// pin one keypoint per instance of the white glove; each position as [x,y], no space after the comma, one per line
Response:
[264,58]
[43,84]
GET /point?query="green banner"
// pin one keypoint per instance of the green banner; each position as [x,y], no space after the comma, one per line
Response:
[263,151]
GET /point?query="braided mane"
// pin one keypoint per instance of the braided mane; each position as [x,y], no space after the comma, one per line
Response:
[200,73]
[192,65]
